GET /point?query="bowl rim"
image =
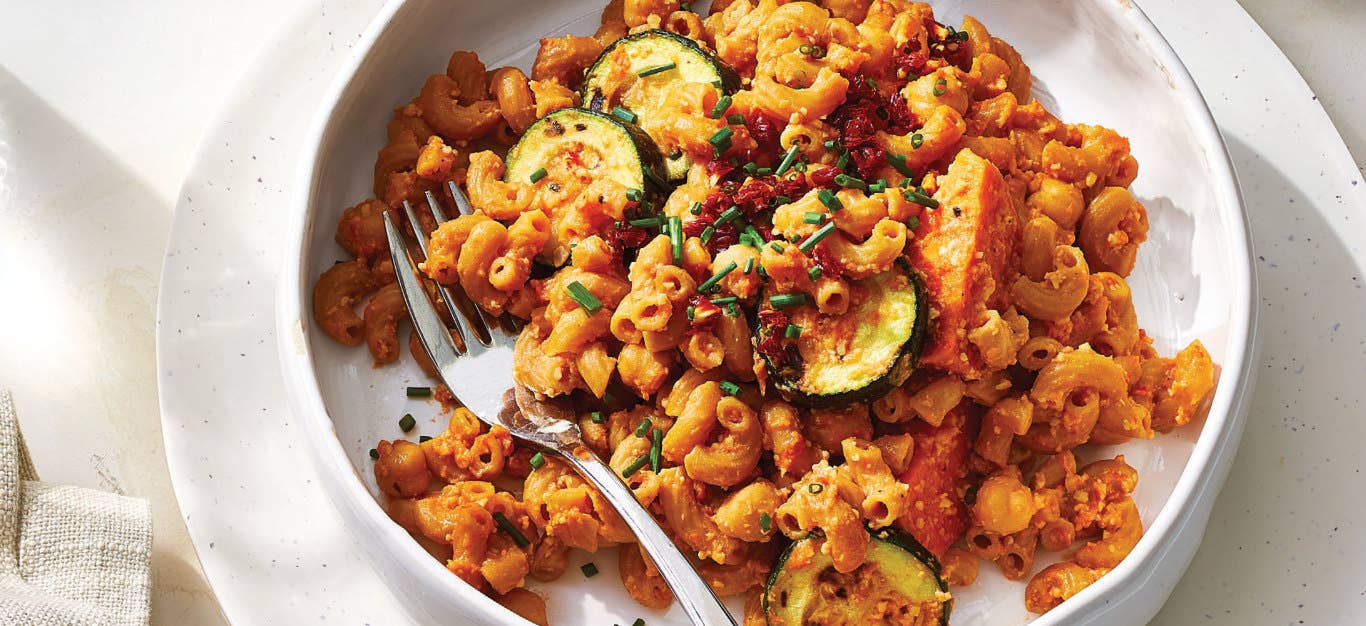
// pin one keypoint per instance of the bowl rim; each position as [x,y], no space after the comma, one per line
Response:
[1205,471]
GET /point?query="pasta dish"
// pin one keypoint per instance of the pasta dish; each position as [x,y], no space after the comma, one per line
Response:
[834,295]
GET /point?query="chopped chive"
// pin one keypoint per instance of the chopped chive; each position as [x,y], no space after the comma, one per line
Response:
[624,115]
[726,300]
[692,312]
[843,162]
[872,83]
[816,237]
[749,265]
[917,140]
[676,239]
[635,195]
[597,417]
[844,180]
[905,183]
[830,144]
[707,234]
[805,49]
[696,208]
[787,300]
[647,222]
[733,310]
[815,487]
[765,522]
[716,84]
[898,162]
[640,621]
[776,247]
[506,525]
[763,272]
[829,199]
[537,175]
[584,297]
[676,154]
[755,238]
[643,427]
[424,438]
[919,196]
[721,105]
[763,171]
[729,388]
[735,118]
[786,163]
[589,569]
[792,331]
[686,6]
[751,167]
[940,87]
[635,466]
[651,71]
[812,217]
[656,446]
[537,460]
[814,272]
[716,278]
[913,222]
[878,187]
[781,200]
[374,454]
[407,423]
[419,392]
[721,139]
[728,216]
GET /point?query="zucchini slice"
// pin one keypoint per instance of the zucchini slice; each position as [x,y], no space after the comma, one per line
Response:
[899,585]
[620,65]
[860,356]
[579,144]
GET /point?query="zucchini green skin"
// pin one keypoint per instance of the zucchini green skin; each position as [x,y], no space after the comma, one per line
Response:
[919,561]
[625,141]
[786,378]
[674,46]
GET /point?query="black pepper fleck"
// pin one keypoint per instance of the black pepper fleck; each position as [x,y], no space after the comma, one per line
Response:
[957,212]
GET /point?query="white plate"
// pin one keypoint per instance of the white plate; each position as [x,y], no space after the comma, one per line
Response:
[275,550]
[1094,62]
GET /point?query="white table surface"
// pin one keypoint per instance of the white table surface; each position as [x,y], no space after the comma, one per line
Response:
[102,105]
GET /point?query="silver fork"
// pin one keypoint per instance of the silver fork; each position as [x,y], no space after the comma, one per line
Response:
[480,375]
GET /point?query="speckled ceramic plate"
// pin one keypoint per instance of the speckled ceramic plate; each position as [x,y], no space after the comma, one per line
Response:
[1095,61]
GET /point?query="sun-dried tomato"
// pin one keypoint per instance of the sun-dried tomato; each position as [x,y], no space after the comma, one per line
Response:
[704,314]
[824,176]
[766,130]
[774,324]
[625,240]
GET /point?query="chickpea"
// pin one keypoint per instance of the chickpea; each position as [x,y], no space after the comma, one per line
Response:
[401,469]
[1004,505]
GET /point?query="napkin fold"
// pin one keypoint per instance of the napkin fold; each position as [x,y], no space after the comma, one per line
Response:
[68,555]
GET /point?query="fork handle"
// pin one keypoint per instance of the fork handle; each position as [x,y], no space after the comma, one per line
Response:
[693,594]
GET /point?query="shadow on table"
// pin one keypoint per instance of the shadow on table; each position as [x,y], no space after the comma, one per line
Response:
[1289,512]
[80,232]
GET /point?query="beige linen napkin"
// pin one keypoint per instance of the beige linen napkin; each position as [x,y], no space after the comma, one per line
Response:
[68,555]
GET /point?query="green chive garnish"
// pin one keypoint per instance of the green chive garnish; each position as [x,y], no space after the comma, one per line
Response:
[692,312]
[735,118]
[878,187]
[720,140]
[940,86]
[898,162]
[843,162]
[815,487]
[765,522]
[635,466]
[729,388]
[792,331]
[624,115]
[787,300]
[374,454]
[656,446]
[419,392]
[720,109]
[647,222]
[845,180]
[829,199]
[733,310]
[696,208]
[812,217]
[537,460]
[726,300]
[781,200]
[643,427]
[597,417]
[814,272]
[917,140]
[716,278]
[919,196]
[506,525]
[635,195]
[585,298]
[755,239]
[424,439]
[640,621]
[537,175]
[676,239]
[589,570]
[407,423]
[749,265]
[786,163]
[651,71]
[728,216]
[707,234]
[816,237]
[913,222]
[830,144]
[776,247]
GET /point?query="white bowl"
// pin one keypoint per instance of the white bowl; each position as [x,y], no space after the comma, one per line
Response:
[1095,61]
